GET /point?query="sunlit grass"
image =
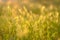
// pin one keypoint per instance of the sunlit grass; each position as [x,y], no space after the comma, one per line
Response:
[22,23]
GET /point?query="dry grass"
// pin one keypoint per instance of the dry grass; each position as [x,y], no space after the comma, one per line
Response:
[22,23]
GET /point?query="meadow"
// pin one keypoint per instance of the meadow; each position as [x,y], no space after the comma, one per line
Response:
[29,21]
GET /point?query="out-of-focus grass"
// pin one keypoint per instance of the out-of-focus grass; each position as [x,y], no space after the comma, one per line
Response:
[35,22]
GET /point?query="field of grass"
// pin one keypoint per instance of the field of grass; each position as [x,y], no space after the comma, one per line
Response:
[29,22]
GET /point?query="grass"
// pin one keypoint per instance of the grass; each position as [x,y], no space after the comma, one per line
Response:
[36,23]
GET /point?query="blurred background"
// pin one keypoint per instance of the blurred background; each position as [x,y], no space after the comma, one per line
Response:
[29,19]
